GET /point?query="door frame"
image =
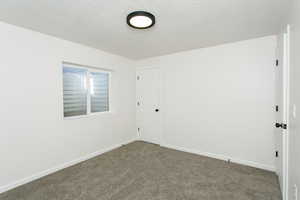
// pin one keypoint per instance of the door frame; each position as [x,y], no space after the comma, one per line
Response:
[286,107]
[161,102]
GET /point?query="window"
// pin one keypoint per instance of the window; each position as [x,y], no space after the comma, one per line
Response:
[99,91]
[85,90]
[75,91]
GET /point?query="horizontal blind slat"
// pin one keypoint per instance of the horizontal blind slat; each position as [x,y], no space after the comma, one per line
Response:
[75,93]
[100,92]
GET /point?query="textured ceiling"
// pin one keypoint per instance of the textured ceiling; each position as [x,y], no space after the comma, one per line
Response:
[181,24]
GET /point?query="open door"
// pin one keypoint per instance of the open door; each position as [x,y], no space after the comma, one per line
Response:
[282,108]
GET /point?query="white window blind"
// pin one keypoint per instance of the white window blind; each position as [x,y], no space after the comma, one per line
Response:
[99,91]
[85,91]
[75,91]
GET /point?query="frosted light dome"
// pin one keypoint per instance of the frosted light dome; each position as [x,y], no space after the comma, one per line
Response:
[140,20]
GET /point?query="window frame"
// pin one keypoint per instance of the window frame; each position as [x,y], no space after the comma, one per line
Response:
[88,74]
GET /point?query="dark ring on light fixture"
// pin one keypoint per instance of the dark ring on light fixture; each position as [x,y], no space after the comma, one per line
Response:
[141,13]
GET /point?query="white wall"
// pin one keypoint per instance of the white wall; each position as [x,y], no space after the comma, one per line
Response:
[34,137]
[219,101]
[294,126]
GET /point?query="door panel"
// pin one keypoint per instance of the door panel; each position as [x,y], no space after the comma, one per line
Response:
[282,100]
[149,117]
[279,102]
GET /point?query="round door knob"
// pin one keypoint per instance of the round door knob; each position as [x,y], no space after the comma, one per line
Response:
[156,110]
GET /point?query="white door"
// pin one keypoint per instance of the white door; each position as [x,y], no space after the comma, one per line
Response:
[149,117]
[279,108]
[281,126]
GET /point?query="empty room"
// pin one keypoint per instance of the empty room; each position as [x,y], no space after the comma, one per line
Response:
[150,100]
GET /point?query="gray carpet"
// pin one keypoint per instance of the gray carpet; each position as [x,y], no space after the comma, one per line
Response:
[142,171]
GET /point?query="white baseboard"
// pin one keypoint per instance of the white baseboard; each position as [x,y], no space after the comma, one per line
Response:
[59,167]
[223,157]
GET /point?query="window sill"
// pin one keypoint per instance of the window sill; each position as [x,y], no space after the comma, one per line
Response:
[88,115]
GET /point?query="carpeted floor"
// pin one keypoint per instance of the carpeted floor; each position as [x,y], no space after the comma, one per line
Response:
[142,171]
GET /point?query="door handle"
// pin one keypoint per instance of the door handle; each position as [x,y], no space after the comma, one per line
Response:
[156,110]
[281,125]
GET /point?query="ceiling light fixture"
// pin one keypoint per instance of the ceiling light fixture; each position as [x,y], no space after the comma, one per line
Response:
[140,20]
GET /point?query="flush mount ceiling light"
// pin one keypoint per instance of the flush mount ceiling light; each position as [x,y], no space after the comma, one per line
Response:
[140,20]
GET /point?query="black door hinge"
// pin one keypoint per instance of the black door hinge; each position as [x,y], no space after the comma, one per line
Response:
[276,154]
[277,62]
[283,126]
[277,108]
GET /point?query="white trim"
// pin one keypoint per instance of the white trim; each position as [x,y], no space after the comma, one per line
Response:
[88,88]
[70,64]
[141,68]
[222,157]
[60,167]
[89,115]
[138,131]
[286,96]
